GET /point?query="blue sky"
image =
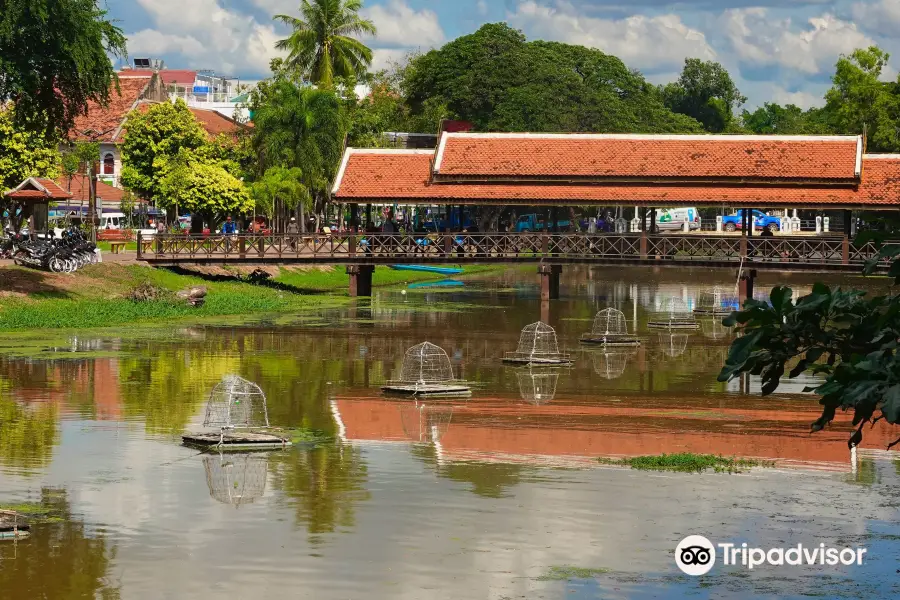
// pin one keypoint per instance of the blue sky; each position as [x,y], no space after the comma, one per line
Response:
[776,50]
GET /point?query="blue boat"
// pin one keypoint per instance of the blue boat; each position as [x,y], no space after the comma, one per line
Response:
[428,269]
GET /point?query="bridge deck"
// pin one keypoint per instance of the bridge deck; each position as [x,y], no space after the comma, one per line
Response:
[780,252]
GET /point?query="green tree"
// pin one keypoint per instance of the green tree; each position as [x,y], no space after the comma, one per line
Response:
[321,47]
[706,92]
[500,82]
[203,186]
[281,188]
[152,140]
[859,101]
[54,59]
[77,158]
[843,334]
[23,154]
[772,118]
[302,127]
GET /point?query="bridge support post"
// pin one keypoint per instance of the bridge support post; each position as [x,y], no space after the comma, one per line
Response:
[745,285]
[360,280]
[549,281]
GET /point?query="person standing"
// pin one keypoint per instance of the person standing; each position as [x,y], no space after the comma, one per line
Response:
[292,230]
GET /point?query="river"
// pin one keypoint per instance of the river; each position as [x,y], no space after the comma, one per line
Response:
[496,496]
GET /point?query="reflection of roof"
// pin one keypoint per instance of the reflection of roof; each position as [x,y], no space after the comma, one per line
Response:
[108,120]
[499,427]
[80,188]
[511,155]
[376,174]
[36,188]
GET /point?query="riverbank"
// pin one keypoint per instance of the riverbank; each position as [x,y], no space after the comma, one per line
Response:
[101,295]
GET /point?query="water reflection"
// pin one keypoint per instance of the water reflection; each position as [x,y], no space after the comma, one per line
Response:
[673,345]
[611,364]
[236,478]
[714,330]
[537,385]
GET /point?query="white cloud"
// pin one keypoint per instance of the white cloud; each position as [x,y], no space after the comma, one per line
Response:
[758,39]
[882,16]
[400,25]
[482,7]
[382,58]
[648,43]
[207,36]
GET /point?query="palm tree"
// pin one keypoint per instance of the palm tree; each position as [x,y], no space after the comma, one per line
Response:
[321,46]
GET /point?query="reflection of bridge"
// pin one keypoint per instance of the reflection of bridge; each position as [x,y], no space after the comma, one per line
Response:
[361,252]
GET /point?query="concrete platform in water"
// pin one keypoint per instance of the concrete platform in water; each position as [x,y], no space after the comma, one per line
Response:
[673,325]
[427,390]
[244,440]
[13,526]
[713,312]
[623,342]
[543,362]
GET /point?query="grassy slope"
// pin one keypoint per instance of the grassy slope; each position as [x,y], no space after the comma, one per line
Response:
[96,296]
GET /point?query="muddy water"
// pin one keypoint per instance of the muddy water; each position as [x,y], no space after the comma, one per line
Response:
[497,496]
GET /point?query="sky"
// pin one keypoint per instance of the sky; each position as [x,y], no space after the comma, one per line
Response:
[776,50]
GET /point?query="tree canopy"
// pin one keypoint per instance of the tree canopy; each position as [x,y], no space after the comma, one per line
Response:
[501,82]
[23,153]
[321,47]
[771,118]
[705,92]
[54,59]
[153,139]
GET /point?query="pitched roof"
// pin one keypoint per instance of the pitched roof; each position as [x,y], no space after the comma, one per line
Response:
[108,120]
[216,123]
[514,156]
[38,188]
[80,188]
[372,175]
[169,76]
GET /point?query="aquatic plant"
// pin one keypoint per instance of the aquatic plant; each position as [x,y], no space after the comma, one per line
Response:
[687,462]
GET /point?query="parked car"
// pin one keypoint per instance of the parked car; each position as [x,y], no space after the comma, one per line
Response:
[760,221]
[536,222]
[672,219]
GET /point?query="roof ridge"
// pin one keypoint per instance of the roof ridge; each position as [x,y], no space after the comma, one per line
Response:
[651,136]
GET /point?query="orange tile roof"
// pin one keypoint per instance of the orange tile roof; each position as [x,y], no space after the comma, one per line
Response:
[108,120]
[374,175]
[612,156]
[215,123]
[80,188]
[38,187]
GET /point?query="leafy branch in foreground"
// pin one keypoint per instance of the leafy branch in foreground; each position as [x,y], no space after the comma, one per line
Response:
[845,335]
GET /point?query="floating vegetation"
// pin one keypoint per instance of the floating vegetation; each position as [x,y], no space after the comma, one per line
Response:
[35,512]
[688,462]
[567,572]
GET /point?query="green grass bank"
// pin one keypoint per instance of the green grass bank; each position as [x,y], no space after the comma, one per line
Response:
[100,295]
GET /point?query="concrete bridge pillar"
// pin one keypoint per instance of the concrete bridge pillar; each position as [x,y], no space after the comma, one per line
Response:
[745,285]
[360,280]
[549,281]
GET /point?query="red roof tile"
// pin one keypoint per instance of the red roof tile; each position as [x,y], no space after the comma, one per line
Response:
[80,188]
[107,120]
[395,175]
[215,123]
[611,156]
[184,77]
[37,187]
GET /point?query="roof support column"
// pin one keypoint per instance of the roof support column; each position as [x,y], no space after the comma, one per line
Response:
[845,243]
[643,218]
[743,233]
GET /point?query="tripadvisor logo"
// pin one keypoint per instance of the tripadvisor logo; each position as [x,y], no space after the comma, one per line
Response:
[696,555]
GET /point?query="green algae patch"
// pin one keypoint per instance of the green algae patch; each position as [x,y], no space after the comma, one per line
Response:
[688,462]
[567,572]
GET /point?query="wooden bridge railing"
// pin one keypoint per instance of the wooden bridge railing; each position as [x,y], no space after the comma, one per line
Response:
[503,247]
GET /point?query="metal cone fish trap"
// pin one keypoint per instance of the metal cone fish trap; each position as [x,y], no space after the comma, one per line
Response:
[237,409]
[427,371]
[610,329]
[674,314]
[717,302]
[538,346]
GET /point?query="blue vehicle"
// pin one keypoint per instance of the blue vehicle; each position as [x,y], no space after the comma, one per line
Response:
[528,223]
[760,221]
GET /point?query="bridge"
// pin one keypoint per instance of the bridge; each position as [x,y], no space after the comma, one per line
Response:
[550,251]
